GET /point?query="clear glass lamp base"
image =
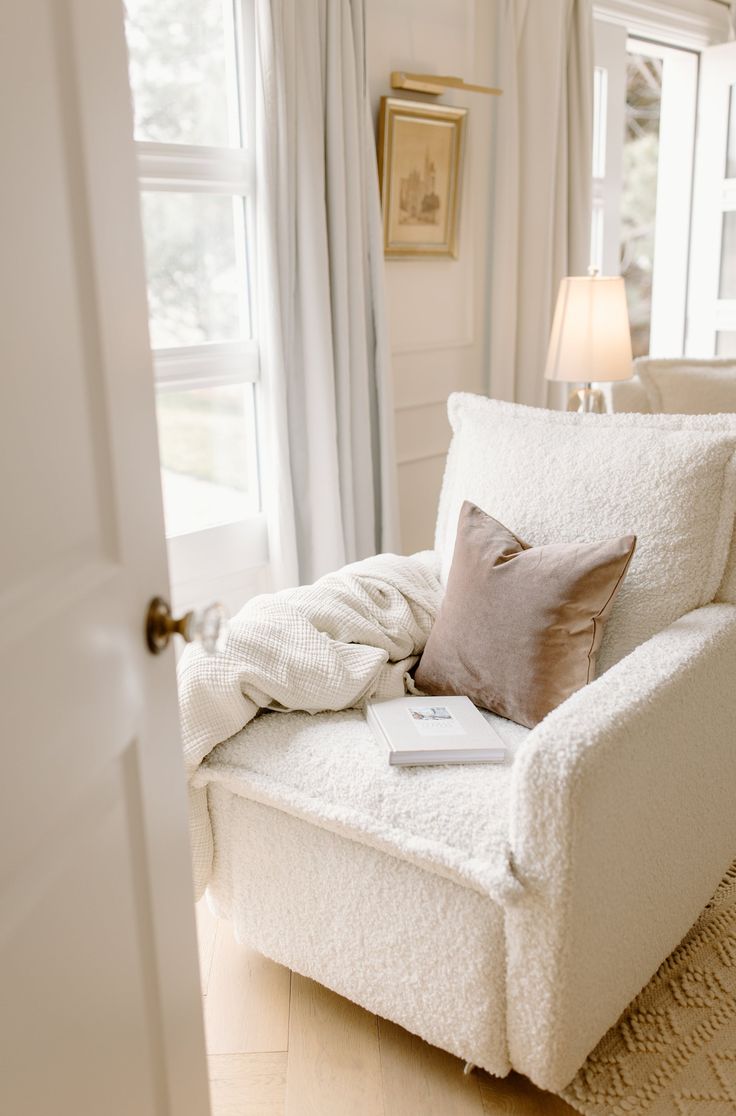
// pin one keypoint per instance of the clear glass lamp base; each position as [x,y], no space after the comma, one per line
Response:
[587,400]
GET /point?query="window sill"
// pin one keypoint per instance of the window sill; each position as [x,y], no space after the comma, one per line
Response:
[229,562]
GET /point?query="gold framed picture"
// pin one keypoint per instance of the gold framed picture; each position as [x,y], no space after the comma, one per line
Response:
[420,152]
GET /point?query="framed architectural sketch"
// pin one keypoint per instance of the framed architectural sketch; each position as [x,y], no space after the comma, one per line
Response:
[420,152]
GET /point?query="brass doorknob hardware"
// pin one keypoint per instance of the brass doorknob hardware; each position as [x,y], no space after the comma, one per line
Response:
[206,626]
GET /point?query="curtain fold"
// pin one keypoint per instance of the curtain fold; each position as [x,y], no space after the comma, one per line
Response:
[541,183]
[329,472]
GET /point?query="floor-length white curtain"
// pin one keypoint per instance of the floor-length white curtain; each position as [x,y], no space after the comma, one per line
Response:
[329,475]
[541,183]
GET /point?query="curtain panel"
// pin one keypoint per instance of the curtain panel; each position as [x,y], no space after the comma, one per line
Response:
[541,183]
[329,485]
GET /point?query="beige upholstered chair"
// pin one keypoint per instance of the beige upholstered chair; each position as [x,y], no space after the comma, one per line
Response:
[683,386]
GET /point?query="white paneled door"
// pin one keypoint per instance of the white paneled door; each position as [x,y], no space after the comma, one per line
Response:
[711,327]
[99,1005]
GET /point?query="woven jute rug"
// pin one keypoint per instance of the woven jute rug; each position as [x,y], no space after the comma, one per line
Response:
[673,1052]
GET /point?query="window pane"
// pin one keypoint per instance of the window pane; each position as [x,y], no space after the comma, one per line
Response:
[727,286]
[731,149]
[206,441]
[195,262]
[639,194]
[182,71]
[726,343]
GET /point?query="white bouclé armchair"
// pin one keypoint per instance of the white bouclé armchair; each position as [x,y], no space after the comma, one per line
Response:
[677,385]
[510,914]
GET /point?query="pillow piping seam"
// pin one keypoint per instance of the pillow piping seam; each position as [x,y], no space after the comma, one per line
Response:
[610,597]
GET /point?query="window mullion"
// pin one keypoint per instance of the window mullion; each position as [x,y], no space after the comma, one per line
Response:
[163,166]
[206,365]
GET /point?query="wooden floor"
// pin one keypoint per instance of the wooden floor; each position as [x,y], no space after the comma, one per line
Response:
[281,1045]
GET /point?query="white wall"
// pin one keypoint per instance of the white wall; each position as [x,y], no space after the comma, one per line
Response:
[437,307]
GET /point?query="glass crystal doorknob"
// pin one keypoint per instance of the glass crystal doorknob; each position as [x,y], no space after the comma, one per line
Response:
[206,626]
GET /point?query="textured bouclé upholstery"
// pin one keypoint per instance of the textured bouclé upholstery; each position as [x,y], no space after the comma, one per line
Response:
[509,914]
[677,385]
[689,387]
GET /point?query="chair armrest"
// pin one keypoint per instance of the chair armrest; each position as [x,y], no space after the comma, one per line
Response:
[623,821]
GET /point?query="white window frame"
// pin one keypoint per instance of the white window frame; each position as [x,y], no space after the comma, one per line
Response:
[676,153]
[692,24]
[715,195]
[609,124]
[674,195]
[230,560]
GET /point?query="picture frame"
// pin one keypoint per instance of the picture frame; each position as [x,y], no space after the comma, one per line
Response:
[420,155]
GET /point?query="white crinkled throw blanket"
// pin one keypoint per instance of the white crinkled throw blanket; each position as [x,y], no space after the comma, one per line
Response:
[352,635]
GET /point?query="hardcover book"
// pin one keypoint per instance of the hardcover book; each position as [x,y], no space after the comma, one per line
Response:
[431,730]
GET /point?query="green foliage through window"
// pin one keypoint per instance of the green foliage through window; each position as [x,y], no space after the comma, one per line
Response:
[639,193]
[178,70]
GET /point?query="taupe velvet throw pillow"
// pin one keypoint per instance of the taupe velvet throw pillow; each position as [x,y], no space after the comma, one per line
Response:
[520,626]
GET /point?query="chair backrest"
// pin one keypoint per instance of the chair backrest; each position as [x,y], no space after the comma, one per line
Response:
[554,476]
[682,386]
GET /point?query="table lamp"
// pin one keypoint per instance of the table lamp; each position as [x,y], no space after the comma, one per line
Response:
[590,339]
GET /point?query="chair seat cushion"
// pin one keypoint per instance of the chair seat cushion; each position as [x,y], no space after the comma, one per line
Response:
[328,769]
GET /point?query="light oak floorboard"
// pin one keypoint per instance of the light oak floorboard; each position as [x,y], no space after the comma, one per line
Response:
[248,1084]
[247,1002]
[516,1096]
[420,1080]
[334,1067]
[206,933]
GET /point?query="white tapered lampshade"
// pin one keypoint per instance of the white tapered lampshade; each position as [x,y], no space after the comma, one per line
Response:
[591,338]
